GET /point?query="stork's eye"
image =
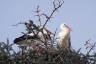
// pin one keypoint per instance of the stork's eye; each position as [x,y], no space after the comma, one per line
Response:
[64,24]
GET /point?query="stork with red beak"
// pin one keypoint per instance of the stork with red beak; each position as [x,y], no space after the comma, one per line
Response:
[64,37]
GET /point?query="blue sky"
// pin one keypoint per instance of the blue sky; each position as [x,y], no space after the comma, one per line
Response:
[79,14]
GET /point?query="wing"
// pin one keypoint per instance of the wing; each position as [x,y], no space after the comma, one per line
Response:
[25,37]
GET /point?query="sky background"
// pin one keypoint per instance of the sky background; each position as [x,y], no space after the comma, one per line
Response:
[79,14]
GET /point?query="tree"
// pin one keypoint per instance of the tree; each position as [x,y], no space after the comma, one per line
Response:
[43,52]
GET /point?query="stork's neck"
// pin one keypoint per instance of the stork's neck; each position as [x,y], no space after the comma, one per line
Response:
[66,30]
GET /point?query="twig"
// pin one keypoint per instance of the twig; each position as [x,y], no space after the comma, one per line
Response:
[38,14]
[91,48]
[54,10]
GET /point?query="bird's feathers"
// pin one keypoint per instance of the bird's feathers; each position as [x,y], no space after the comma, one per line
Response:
[64,37]
[45,36]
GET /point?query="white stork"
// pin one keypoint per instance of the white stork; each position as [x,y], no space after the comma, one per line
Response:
[27,39]
[64,37]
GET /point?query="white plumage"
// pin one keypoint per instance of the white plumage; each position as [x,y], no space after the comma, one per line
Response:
[64,37]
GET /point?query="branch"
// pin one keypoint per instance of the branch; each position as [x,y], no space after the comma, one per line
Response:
[91,48]
[38,14]
[54,10]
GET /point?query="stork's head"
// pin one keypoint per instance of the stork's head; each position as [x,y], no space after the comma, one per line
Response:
[65,27]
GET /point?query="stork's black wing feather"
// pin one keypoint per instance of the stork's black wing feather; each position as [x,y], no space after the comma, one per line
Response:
[25,37]
[20,39]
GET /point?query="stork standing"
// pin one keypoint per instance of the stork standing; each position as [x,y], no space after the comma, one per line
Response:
[64,37]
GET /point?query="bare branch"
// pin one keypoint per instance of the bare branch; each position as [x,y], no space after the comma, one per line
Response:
[54,10]
[19,23]
[38,14]
[91,48]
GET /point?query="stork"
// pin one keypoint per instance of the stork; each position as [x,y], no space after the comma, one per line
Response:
[27,39]
[64,37]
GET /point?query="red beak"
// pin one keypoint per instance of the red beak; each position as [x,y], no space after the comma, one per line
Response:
[69,28]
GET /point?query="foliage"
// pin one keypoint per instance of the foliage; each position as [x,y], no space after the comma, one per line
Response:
[43,56]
